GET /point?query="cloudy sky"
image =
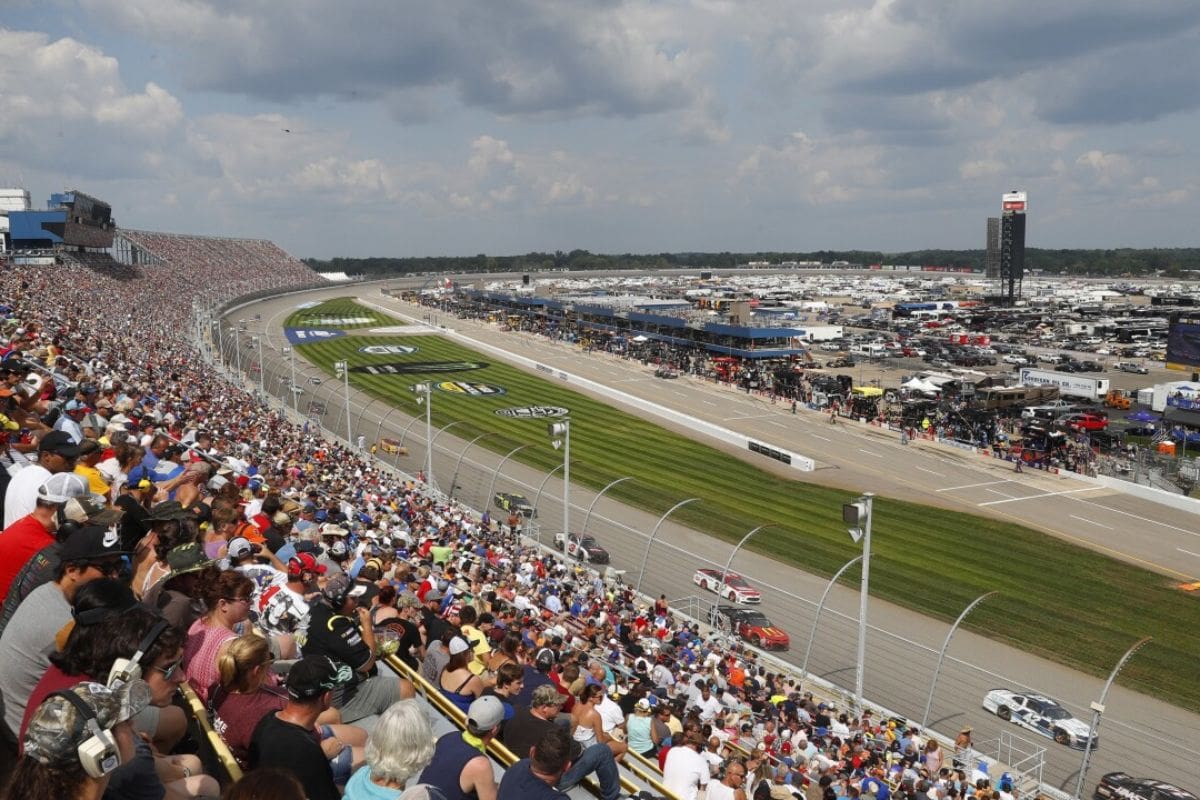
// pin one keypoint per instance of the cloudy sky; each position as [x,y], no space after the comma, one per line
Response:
[394,127]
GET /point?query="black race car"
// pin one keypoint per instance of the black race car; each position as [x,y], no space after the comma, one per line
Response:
[517,503]
[1120,786]
[582,547]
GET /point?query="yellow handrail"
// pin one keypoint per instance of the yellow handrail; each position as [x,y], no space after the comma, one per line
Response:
[220,749]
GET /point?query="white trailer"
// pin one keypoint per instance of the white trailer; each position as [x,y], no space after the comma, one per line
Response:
[1069,384]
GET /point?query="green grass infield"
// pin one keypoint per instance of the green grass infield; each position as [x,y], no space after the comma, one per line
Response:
[1057,600]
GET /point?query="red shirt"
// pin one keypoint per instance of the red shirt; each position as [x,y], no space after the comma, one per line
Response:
[53,680]
[19,543]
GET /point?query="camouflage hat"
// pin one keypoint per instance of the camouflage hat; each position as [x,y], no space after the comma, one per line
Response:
[408,600]
[169,510]
[56,730]
[92,508]
[187,558]
[547,695]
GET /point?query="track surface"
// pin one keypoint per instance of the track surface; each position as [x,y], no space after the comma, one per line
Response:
[1139,734]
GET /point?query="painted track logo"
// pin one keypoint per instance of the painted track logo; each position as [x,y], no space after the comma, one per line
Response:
[418,367]
[387,350]
[533,412]
[470,389]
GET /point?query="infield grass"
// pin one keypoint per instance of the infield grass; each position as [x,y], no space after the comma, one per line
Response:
[1057,600]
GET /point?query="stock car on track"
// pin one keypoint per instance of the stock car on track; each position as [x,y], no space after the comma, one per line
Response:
[1039,714]
[751,626]
[1120,786]
[517,503]
[736,588]
[584,547]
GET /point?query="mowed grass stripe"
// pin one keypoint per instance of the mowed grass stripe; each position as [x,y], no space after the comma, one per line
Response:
[1058,600]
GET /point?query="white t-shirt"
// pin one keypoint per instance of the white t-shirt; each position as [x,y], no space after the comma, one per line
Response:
[684,772]
[709,708]
[611,716]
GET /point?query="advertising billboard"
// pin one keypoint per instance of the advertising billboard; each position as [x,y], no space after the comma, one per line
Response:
[1013,201]
[1183,341]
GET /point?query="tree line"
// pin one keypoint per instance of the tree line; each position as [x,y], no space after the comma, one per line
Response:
[1173,262]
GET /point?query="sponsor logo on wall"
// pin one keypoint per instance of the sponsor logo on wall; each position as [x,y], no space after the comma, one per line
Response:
[387,350]
[471,389]
[533,412]
[418,367]
[310,335]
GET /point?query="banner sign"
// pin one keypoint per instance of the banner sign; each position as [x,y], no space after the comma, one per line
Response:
[418,367]
[533,412]
[310,335]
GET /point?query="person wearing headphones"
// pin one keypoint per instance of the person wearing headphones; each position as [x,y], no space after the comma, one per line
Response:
[76,739]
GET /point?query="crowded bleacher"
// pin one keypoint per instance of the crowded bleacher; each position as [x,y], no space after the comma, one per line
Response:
[202,599]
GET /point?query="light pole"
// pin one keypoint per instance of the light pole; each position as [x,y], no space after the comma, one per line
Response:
[457,464]
[729,562]
[592,505]
[262,368]
[653,533]
[237,345]
[291,354]
[429,478]
[942,654]
[560,435]
[858,516]
[343,372]
[817,616]
[424,392]
[1098,710]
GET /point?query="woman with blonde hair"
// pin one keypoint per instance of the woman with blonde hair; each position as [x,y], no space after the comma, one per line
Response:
[243,696]
[400,747]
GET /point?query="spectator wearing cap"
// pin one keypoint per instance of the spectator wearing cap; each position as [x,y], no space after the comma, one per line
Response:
[90,453]
[43,565]
[56,453]
[68,421]
[176,596]
[530,723]
[244,695]
[35,531]
[29,638]
[134,499]
[458,683]
[460,768]
[401,612]
[50,767]
[286,739]
[536,776]
[434,624]
[102,635]
[170,526]
[340,629]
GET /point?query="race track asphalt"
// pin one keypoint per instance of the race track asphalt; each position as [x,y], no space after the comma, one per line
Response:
[1141,735]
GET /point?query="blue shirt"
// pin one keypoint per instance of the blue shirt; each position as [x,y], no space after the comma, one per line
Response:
[519,783]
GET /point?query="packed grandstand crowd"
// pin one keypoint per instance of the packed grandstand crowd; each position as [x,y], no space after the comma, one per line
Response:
[167,534]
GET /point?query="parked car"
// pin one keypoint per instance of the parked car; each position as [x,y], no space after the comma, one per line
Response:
[515,502]
[1131,366]
[1013,358]
[751,626]
[665,372]
[839,363]
[1039,714]
[736,588]
[1121,786]
[583,547]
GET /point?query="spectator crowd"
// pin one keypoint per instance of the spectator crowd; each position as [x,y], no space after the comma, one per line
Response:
[165,530]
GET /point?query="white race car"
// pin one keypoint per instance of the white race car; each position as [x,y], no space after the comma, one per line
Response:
[736,588]
[1039,714]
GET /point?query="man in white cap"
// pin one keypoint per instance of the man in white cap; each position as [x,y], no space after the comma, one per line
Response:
[460,767]
[34,531]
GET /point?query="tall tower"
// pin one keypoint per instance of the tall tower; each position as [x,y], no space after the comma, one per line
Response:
[1012,244]
[991,258]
